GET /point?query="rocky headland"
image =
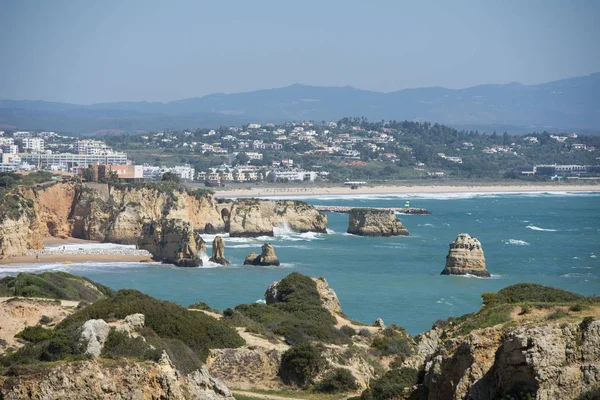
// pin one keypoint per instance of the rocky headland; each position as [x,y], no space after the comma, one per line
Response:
[173,241]
[267,257]
[375,222]
[254,217]
[117,213]
[465,257]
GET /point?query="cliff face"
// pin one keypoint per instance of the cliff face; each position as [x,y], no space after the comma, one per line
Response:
[465,257]
[554,361]
[172,241]
[122,379]
[19,229]
[52,205]
[252,217]
[372,222]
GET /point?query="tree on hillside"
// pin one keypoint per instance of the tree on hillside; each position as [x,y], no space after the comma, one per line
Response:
[171,177]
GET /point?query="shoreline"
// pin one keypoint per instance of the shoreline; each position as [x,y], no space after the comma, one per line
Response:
[302,191]
[73,258]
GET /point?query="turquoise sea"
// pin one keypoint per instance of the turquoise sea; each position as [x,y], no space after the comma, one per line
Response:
[547,238]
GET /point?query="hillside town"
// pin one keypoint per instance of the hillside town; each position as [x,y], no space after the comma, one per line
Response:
[303,152]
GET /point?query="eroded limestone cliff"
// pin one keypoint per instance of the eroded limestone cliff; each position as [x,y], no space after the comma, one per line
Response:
[374,222]
[465,257]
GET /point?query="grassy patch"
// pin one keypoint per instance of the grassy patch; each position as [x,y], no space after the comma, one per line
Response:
[53,285]
[530,292]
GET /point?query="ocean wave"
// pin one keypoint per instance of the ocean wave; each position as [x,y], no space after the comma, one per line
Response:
[517,242]
[537,228]
[493,276]
[330,231]
[576,275]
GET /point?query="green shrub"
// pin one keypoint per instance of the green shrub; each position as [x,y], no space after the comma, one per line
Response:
[45,320]
[300,364]
[484,319]
[338,380]
[530,292]
[197,330]
[34,334]
[558,314]
[61,346]
[202,306]
[364,332]
[391,385]
[526,309]
[579,307]
[181,355]
[348,330]
[393,342]
[119,345]
[592,394]
[585,324]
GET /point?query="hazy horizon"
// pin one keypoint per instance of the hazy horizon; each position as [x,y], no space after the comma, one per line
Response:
[83,53]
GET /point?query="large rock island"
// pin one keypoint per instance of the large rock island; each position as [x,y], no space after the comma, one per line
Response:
[465,257]
[173,241]
[374,222]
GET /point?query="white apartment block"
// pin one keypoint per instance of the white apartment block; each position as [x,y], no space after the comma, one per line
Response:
[9,148]
[254,155]
[33,144]
[91,147]
[82,160]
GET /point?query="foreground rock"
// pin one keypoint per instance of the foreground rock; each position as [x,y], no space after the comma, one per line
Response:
[555,361]
[218,252]
[172,241]
[253,217]
[266,258]
[124,379]
[465,257]
[374,222]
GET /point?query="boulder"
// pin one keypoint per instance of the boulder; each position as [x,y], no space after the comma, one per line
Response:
[172,241]
[267,257]
[373,222]
[379,323]
[218,252]
[465,257]
[93,335]
[254,217]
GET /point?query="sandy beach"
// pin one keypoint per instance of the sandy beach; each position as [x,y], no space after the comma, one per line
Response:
[407,189]
[74,250]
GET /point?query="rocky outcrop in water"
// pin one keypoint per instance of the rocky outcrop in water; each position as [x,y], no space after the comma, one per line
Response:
[253,217]
[125,379]
[172,241]
[374,222]
[266,258]
[465,257]
[218,252]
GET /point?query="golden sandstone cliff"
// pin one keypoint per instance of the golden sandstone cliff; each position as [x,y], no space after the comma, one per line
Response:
[117,213]
[465,257]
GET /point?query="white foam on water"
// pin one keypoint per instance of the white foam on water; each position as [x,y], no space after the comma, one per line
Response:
[90,246]
[517,242]
[593,256]
[66,267]
[330,231]
[537,228]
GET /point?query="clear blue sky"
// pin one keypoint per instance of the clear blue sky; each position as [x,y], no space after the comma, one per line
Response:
[96,51]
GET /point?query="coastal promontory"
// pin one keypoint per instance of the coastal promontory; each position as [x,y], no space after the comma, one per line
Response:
[465,257]
[254,217]
[374,222]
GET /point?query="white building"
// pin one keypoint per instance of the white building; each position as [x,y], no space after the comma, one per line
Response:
[295,175]
[21,134]
[9,148]
[33,144]
[254,155]
[83,160]
[92,147]
[6,141]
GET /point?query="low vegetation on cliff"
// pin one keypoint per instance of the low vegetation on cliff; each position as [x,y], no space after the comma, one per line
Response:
[53,285]
[298,313]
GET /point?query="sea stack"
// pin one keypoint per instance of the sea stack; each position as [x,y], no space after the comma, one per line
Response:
[465,257]
[266,258]
[374,222]
[218,252]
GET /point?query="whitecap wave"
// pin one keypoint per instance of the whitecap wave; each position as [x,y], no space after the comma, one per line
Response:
[89,246]
[517,242]
[537,228]
[330,231]
[10,269]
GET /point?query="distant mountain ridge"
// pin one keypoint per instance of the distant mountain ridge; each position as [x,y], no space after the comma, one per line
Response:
[563,105]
